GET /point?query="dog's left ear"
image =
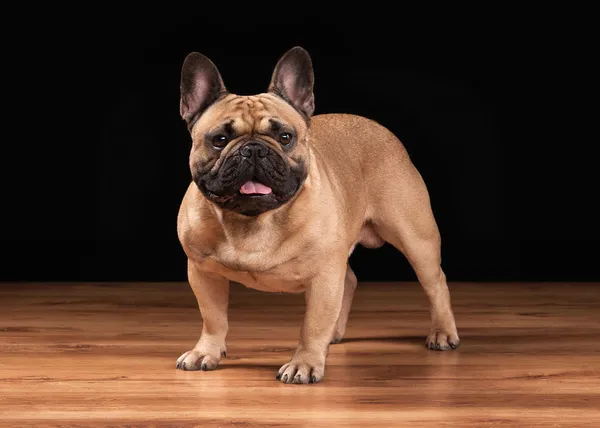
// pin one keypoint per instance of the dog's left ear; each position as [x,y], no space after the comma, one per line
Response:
[293,80]
[201,85]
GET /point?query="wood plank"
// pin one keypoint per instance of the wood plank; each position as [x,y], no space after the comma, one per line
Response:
[104,354]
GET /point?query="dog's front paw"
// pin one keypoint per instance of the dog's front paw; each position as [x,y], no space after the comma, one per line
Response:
[440,340]
[200,359]
[305,368]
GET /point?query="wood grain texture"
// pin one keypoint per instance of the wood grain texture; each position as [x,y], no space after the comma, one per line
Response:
[104,355]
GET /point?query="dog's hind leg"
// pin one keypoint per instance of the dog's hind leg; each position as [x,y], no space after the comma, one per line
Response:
[404,219]
[349,288]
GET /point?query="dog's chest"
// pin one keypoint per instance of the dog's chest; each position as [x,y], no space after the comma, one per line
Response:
[266,271]
[267,259]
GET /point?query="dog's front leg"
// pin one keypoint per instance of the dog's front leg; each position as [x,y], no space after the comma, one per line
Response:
[212,293]
[323,303]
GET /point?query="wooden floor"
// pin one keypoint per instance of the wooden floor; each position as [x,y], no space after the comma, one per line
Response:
[104,355]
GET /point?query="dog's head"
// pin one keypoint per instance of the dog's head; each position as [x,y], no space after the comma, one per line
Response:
[249,153]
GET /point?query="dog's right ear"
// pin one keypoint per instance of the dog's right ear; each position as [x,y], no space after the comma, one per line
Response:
[201,85]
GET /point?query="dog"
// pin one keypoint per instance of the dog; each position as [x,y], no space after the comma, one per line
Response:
[278,200]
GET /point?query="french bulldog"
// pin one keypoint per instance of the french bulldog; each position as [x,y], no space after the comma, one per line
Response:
[278,200]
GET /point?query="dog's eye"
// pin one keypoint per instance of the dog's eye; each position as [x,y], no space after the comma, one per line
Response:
[220,141]
[285,138]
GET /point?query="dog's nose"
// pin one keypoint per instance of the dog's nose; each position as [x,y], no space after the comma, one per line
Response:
[252,148]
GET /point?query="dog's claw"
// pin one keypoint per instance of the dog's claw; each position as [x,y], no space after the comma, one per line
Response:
[278,376]
[313,379]
[442,342]
[204,367]
[285,378]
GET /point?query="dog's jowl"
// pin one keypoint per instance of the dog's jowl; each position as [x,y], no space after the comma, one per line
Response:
[278,200]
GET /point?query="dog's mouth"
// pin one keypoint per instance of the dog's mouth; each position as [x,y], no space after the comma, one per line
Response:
[255,187]
[252,188]
[251,199]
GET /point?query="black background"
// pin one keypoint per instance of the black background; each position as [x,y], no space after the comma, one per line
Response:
[496,109]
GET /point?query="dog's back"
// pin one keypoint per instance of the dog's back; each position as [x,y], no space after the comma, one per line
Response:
[378,166]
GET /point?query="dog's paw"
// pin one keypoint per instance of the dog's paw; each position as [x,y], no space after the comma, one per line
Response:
[339,331]
[198,359]
[338,334]
[441,341]
[336,339]
[301,370]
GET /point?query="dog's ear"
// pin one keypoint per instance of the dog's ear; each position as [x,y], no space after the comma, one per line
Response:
[293,80]
[201,85]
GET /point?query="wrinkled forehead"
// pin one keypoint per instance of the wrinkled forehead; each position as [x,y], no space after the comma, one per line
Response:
[256,114]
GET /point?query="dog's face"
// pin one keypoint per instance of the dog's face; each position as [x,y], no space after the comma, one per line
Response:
[249,153]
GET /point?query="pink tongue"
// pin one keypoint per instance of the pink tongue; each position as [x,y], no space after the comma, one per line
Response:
[255,187]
